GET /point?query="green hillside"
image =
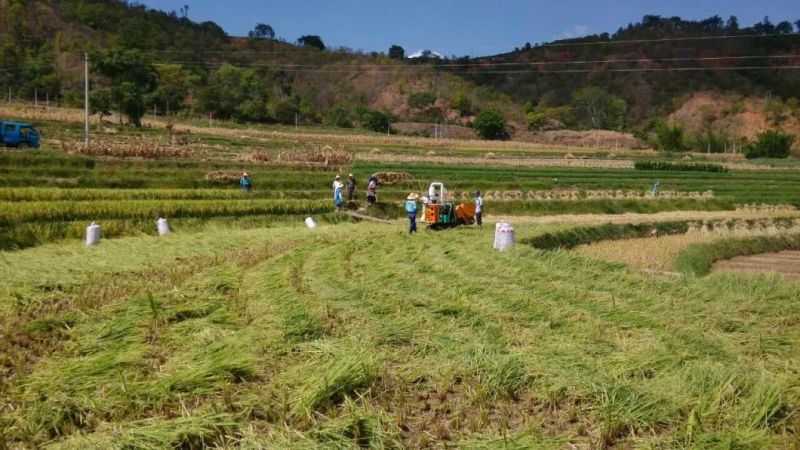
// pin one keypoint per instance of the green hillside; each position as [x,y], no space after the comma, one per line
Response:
[149,60]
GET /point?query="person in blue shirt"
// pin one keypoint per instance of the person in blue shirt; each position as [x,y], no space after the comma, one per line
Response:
[245,183]
[411,210]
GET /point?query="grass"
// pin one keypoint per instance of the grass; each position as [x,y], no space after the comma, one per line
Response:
[242,331]
[344,336]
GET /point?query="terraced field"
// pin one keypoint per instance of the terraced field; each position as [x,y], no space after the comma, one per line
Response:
[243,329]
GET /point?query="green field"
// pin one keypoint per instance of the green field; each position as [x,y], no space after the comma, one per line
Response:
[243,329]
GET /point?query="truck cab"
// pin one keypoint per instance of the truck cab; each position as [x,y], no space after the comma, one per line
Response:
[18,134]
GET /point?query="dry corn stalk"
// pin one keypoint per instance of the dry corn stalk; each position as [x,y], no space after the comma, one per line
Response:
[134,150]
[259,156]
[326,156]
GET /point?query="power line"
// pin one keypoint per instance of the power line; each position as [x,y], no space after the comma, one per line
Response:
[530,63]
[534,71]
[553,44]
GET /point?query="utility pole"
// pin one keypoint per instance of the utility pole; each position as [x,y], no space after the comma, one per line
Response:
[295,121]
[36,97]
[86,98]
[47,99]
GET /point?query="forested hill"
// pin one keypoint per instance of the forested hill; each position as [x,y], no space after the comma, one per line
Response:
[652,65]
[167,61]
[143,59]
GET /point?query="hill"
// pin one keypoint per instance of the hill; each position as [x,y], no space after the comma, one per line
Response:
[196,67]
[174,65]
[652,65]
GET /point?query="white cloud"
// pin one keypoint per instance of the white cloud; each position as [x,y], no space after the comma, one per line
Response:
[573,32]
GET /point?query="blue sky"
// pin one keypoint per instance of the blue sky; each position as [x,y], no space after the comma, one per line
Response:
[458,27]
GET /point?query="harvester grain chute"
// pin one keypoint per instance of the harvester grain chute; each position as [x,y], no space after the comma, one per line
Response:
[438,212]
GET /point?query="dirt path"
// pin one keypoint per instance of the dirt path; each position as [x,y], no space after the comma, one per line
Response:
[785,263]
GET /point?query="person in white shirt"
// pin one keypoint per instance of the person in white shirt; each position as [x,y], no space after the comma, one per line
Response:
[478,208]
[432,194]
[337,192]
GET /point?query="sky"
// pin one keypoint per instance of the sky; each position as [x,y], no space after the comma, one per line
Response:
[458,27]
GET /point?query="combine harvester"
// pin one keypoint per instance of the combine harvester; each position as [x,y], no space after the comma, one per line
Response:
[18,134]
[439,213]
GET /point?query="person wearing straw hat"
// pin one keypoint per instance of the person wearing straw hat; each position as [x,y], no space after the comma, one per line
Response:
[351,188]
[337,193]
[411,210]
[245,183]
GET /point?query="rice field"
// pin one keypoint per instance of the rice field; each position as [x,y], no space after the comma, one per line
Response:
[243,329]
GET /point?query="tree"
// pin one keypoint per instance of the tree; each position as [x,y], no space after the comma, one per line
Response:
[670,137]
[338,116]
[421,100]
[311,41]
[376,121]
[784,27]
[100,102]
[770,144]
[732,25]
[596,108]
[262,31]
[490,125]
[764,27]
[173,87]
[544,118]
[397,52]
[462,104]
[131,76]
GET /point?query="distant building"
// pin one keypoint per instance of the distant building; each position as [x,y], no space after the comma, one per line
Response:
[426,54]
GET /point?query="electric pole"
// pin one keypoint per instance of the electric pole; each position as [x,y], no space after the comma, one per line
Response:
[86,98]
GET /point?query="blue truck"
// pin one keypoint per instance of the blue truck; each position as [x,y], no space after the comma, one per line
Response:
[18,134]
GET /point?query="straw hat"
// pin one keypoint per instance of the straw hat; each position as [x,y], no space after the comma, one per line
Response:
[412,196]
[338,177]
[245,174]
[351,175]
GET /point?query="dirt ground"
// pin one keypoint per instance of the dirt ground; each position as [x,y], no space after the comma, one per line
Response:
[785,263]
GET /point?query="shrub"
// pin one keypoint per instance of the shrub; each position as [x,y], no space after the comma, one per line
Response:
[489,124]
[646,164]
[421,100]
[541,119]
[770,144]
[338,116]
[376,121]
[670,138]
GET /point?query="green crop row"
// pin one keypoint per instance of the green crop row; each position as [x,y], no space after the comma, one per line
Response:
[648,164]
[15,213]
[574,237]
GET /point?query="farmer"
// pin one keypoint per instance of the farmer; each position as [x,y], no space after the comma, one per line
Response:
[351,187]
[372,190]
[411,210]
[478,208]
[337,192]
[432,193]
[656,187]
[245,183]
